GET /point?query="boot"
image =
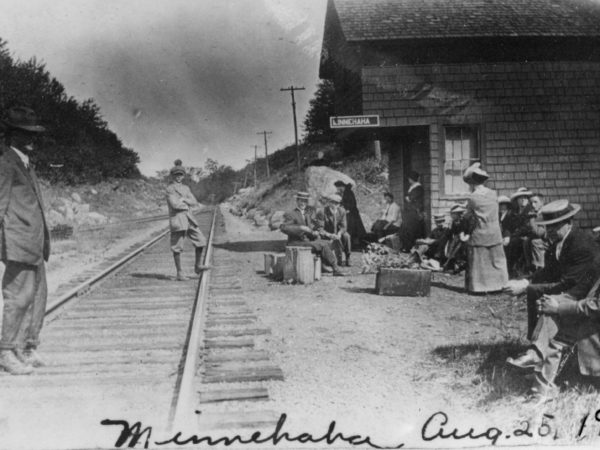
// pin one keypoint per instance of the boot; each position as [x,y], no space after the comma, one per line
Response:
[29,356]
[199,267]
[10,363]
[180,275]
[347,260]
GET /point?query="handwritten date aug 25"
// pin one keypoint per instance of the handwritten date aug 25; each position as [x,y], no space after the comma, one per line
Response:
[436,427]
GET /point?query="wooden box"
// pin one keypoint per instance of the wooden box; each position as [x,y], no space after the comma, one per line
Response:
[403,282]
[274,265]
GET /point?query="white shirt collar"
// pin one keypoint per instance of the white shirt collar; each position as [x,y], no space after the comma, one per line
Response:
[23,156]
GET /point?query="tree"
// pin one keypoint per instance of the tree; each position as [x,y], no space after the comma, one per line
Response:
[322,106]
[78,147]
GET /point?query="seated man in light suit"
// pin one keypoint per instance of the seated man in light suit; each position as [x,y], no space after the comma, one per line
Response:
[300,226]
[333,226]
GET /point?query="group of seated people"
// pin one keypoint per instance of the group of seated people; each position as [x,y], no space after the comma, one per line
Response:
[323,229]
[559,272]
[524,241]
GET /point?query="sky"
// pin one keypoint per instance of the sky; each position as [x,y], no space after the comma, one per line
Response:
[189,79]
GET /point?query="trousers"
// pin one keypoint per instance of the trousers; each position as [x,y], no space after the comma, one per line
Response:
[343,244]
[553,335]
[25,294]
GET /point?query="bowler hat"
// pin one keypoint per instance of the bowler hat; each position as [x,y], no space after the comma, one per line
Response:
[339,183]
[475,174]
[23,118]
[558,211]
[521,192]
[302,195]
[503,199]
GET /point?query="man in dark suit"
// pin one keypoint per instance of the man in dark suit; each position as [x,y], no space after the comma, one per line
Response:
[571,263]
[24,245]
[300,227]
[333,226]
[413,219]
[567,278]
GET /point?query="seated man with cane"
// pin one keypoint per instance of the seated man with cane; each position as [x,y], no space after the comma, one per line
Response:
[570,267]
[563,323]
[299,226]
[565,316]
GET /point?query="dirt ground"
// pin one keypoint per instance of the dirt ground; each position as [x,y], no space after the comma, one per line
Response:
[382,365]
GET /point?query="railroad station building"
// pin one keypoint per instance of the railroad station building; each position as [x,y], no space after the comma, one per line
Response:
[514,84]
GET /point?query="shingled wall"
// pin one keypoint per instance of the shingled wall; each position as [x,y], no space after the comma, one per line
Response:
[539,121]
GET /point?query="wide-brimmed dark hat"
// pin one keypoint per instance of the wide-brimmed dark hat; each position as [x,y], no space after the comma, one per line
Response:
[521,192]
[558,211]
[475,174]
[23,118]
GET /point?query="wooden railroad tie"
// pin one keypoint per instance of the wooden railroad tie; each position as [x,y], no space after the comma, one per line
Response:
[228,395]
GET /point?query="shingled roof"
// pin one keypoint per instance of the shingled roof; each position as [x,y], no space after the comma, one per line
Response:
[369,20]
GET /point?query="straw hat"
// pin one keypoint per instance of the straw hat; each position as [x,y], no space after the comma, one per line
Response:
[558,211]
[521,192]
[302,195]
[439,218]
[503,199]
[457,209]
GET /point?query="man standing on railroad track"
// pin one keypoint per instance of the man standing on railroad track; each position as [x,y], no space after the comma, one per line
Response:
[24,245]
[182,222]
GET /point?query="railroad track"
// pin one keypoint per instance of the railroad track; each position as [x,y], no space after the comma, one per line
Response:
[116,346]
[129,342]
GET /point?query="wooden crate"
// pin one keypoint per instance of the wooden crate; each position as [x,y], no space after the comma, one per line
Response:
[403,282]
[274,265]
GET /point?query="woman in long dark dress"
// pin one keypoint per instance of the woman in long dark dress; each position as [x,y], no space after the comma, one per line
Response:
[356,229]
[413,219]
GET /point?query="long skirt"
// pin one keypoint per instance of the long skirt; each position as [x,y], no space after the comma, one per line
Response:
[486,269]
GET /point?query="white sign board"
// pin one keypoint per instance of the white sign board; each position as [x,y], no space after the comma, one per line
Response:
[354,121]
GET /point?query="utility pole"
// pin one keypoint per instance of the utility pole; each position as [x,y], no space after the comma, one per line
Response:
[292,89]
[266,152]
[255,150]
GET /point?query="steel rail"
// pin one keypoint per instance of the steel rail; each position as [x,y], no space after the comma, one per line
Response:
[123,222]
[183,408]
[86,285]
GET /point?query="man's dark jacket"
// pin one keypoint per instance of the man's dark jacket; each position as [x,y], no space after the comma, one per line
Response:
[24,236]
[577,268]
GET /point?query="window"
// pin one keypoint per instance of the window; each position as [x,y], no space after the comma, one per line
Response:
[461,150]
